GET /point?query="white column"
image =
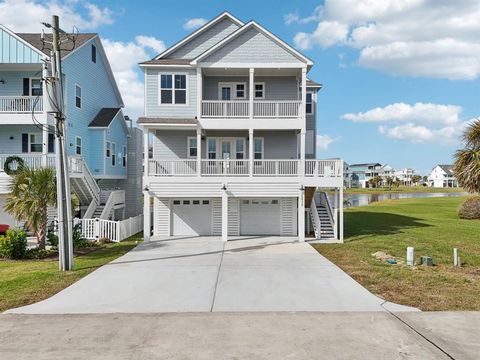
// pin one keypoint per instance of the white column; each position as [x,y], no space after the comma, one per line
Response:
[146,166]
[199,151]
[199,92]
[45,145]
[304,94]
[302,153]
[250,151]
[251,90]
[224,216]
[301,216]
[340,222]
[147,225]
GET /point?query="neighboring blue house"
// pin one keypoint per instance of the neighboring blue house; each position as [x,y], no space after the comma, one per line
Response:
[98,135]
[357,175]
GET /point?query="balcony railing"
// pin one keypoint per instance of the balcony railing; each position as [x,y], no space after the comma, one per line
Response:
[275,168]
[32,161]
[20,104]
[241,109]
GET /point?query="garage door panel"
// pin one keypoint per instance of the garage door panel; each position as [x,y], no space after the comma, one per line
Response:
[260,217]
[192,217]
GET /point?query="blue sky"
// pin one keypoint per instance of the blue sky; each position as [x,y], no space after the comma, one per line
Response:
[417,61]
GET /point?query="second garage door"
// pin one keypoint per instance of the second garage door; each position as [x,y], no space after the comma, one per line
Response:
[192,217]
[260,217]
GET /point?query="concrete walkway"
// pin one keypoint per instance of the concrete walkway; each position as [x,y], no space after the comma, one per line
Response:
[206,274]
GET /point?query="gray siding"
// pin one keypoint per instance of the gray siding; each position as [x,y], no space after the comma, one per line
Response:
[133,191]
[14,145]
[205,40]
[311,125]
[276,87]
[251,47]
[13,85]
[172,144]
[153,106]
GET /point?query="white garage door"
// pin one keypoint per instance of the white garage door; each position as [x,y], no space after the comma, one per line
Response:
[260,217]
[192,217]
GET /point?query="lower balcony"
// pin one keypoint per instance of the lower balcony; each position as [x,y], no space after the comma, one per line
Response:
[31,161]
[245,168]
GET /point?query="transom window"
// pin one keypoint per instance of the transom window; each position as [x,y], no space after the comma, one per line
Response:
[173,89]
[259,90]
[78,96]
[78,145]
[192,147]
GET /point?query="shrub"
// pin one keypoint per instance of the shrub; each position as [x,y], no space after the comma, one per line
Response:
[52,239]
[79,242]
[37,253]
[14,244]
[470,209]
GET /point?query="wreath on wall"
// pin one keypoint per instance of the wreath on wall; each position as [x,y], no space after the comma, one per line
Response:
[13,165]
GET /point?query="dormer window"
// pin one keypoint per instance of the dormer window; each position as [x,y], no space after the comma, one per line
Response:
[173,89]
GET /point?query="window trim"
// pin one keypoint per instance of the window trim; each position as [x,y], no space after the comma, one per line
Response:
[187,92]
[93,53]
[76,145]
[113,161]
[80,97]
[124,156]
[263,91]
[30,88]
[30,143]
[306,96]
[233,140]
[189,147]
[233,86]
[108,149]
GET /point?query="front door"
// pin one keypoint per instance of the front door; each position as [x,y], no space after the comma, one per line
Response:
[226,147]
[226,92]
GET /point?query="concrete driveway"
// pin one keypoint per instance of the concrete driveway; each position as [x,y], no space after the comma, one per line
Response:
[204,274]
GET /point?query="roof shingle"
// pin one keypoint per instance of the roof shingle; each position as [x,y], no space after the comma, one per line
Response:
[104,117]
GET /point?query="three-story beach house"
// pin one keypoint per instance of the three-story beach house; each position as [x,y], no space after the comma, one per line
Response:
[100,140]
[231,115]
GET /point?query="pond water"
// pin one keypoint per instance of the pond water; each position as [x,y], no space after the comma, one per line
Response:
[365,199]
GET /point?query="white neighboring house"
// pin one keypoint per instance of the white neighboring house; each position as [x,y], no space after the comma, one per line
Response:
[442,176]
[232,113]
[405,176]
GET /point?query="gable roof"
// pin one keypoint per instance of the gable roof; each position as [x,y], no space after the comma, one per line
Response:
[448,169]
[208,25]
[250,25]
[35,39]
[19,38]
[104,117]
[166,62]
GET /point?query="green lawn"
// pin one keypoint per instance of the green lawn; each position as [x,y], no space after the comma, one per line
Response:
[408,189]
[433,228]
[26,282]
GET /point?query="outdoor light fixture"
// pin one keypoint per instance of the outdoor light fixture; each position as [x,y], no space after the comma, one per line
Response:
[224,187]
[302,188]
[146,188]
[2,81]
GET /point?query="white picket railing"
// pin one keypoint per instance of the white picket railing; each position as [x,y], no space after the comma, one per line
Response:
[185,167]
[21,104]
[276,167]
[276,109]
[224,108]
[32,161]
[324,168]
[116,231]
[225,167]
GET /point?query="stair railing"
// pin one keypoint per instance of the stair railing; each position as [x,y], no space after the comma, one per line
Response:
[78,165]
[90,210]
[116,197]
[332,214]
[315,219]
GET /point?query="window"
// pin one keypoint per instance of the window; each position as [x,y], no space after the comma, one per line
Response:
[196,202]
[114,155]
[124,156]
[36,87]
[35,143]
[205,202]
[78,145]
[259,90]
[78,96]
[108,149]
[239,148]
[173,89]
[176,202]
[186,202]
[212,148]
[309,103]
[94,53]
[258,148]
[192,147]
[240,91]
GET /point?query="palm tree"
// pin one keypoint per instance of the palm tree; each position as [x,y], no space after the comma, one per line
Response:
[31,192]
[416,179]
[389,182]
[467,160]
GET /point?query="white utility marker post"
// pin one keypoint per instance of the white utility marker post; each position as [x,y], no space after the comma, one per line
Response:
[146,195]
[224,214]
[250,152]
[54,89]
[199,150]
[301,215]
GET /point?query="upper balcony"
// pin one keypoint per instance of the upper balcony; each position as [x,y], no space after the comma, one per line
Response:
[262,109]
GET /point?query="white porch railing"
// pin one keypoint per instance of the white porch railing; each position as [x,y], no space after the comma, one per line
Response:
[276,109]
[116,231]
[32,161]
[21,104]
[77,165]
[225,109]
[241,167]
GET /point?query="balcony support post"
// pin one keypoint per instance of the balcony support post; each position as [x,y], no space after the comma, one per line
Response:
[251,91]
[304,95]
[199,151]
[199,92]
[224,215]
[146,156]
[45,145]
[340,222]
[301,169]
[147,226]
[250,152]
[301,216]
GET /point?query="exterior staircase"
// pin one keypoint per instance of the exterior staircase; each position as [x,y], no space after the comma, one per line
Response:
[321,215]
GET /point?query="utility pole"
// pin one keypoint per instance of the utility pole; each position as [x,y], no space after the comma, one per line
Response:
[64,203]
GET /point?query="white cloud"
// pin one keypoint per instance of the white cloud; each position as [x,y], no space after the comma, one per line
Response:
[27,15]
[124,58]
[418,123]
[421,112]
[324,141]
[295,18]
[428,38]
[191,24]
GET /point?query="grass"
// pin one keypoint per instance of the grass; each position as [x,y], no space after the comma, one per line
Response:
[400,189]
[27,282]
[433,228]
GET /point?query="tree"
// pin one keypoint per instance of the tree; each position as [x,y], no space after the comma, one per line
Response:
[416,179]
[389,182]
[396,182]
[467,160]
[31,192]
